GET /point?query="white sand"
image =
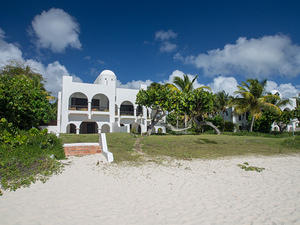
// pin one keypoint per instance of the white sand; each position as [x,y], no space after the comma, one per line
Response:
[196,192]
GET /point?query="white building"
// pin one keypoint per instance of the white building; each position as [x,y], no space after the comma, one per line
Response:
[100,107]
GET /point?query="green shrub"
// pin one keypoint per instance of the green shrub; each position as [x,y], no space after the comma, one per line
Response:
[159,131]
[27,156]
[229,126]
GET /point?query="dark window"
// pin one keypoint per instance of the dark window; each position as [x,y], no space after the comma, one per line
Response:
[95,102]
[79,101]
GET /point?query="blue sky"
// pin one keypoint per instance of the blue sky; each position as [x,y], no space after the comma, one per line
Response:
[224,42]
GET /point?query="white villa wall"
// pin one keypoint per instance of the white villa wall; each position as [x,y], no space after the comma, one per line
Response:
[104,84]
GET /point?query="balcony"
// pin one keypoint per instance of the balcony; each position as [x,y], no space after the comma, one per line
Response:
[126,113]
[100,109]
[78,108]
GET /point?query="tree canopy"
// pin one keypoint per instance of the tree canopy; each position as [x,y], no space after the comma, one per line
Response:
[251,98]
[23,100]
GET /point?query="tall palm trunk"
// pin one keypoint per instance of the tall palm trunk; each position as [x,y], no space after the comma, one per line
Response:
[252,123]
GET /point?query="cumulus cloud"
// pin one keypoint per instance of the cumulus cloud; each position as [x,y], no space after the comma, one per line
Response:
[52,73]
[227,84]
[164,38]
[134,84]
[165,35]
[8,51]
[286,90]
[261,58]
[167,47]
[178,73]
[55,29]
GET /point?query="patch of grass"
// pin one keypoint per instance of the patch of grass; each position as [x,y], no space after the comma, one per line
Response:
[79,138]
[213,146]
[121,145]
[245,166]
[293,142]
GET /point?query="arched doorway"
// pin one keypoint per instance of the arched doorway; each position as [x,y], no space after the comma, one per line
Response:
[88,128]
[71,128]
[105,128]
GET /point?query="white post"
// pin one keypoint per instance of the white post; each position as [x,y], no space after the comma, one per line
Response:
[77,130]
[90,109]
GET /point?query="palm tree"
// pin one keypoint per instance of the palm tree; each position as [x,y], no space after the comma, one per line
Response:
[185,85]
[222,101]
[251,99]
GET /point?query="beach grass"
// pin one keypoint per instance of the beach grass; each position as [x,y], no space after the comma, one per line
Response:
[216,146]
[79,138]
[122,147]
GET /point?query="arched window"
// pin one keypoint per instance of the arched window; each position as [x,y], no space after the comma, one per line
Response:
[100,102]
[127,108]
[78,101]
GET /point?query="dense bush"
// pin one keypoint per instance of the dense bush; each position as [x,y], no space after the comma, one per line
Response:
[229,126]
[27,156]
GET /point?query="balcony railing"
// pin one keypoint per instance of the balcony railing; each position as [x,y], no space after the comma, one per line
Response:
[100,108]
[78,107]
[127,113]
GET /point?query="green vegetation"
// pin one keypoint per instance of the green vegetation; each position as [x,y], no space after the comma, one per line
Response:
[26,153]
[23,99]
[27,156]
[122,146]
[79,138]
[212,146]
[245,166]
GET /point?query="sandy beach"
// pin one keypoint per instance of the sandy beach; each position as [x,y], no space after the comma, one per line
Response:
[184,192]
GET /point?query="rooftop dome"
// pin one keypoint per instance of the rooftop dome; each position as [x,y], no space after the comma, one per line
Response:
[105,74]
[108,73]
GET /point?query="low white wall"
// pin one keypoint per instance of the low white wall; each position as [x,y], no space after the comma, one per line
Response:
[108,155]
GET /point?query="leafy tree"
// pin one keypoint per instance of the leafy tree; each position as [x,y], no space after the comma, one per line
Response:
[185,85]
[222,101]
[161,99]
[284,119]
[23,99]
[198,105]
[251,99]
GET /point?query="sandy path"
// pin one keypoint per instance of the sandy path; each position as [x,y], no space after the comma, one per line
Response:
[196,192]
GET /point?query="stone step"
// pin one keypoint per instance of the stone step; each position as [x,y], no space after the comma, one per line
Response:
[81,149]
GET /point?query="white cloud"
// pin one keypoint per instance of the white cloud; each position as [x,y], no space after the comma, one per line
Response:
[167,47]
[178,73]
[260,58]
[52,73]
[165,35]
[134,84]
[164,38]
[56,29]
[286,90]
[8,51]
[227,84]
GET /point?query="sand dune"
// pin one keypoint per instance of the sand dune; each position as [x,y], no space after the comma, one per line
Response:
[185,192]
